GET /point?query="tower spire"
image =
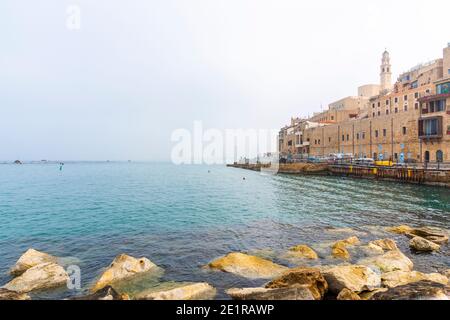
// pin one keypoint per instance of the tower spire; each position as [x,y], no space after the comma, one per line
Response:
[385,73]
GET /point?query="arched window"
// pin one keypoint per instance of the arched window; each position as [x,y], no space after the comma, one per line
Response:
[439,156]
[427,156]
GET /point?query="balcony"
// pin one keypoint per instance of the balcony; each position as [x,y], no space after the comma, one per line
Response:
[430,128]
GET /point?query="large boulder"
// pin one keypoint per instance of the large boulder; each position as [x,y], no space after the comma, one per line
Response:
[347,294]
[30,259]
[311,278]
[400,278]
[422,290]
[353,277]
[193,291]
[385,244]
[436,235]
[303,251]
[390,261]
[423,245]
[6,294]
[42,276]
[124,267]
[295,293]
[247,266]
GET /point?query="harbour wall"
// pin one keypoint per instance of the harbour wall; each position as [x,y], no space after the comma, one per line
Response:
[421,176]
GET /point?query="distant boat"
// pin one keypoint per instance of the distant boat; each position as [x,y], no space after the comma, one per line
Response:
[17,162]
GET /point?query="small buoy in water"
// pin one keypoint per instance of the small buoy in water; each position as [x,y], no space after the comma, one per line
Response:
[243,178]
[209,171]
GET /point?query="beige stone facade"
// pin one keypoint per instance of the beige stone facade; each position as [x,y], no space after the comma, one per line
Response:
[406,122]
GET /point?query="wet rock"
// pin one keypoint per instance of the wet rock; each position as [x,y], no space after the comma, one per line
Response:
[400,278]
[372,249]
[247,266]
[303,251]
[339,248]
[423,245]
[385,244]
[124,267]
[297,293]
[436,235]
[367,295]
[355,278]
[6,294]
[311,278]
[42,276]
[193,291]
[447,273]
[339,251]
[400,229]
[30,259]
[422,290]
[347,294]
[106,293]
[390,261]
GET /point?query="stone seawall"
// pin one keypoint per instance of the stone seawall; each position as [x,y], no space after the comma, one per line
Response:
[407,175]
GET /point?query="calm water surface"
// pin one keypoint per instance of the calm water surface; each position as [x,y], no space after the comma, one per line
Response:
[181,217]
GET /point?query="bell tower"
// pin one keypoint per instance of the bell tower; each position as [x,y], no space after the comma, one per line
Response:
[385,73]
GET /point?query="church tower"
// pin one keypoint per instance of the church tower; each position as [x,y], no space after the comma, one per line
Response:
[385,74]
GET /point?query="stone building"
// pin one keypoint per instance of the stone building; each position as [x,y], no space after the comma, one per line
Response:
[404,122]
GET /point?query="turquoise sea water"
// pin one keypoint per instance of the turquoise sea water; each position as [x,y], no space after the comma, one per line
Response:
[181,217]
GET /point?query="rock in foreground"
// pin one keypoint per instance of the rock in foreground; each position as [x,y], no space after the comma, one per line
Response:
[6,294]
[390,261]
[310,278]
[399,278]
[347,294]
[247,266]
[297,293]
[195,291]
[42,276]
[29,259]
[385,244]
[423,245]
[423,290]
[353,277]
[123,267]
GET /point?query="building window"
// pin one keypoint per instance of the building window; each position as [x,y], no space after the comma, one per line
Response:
[379,103]
[373,105]
[379,113]
[357,136]
[439,156]
[395,156]
[405,98]
[348,137]
[343,138]
[416,95]
[430,127]
[416,105]
[387,111]
[384,132]
[387,102]
[376,133]
[396,100]
[404,130]
[363,135]
[373,114]
[406,107]
[396,110]
[329,139]
[319,142]
[332,117]
[315,141]
[443,88]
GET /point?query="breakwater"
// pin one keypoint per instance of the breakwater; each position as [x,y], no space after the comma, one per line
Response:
[433,177]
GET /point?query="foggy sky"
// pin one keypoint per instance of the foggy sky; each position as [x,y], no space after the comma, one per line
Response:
[139,69]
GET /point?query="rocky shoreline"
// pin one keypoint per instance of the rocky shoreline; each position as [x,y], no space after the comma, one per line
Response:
[383,273]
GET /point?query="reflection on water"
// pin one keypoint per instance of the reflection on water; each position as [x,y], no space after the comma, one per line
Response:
[181,217]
